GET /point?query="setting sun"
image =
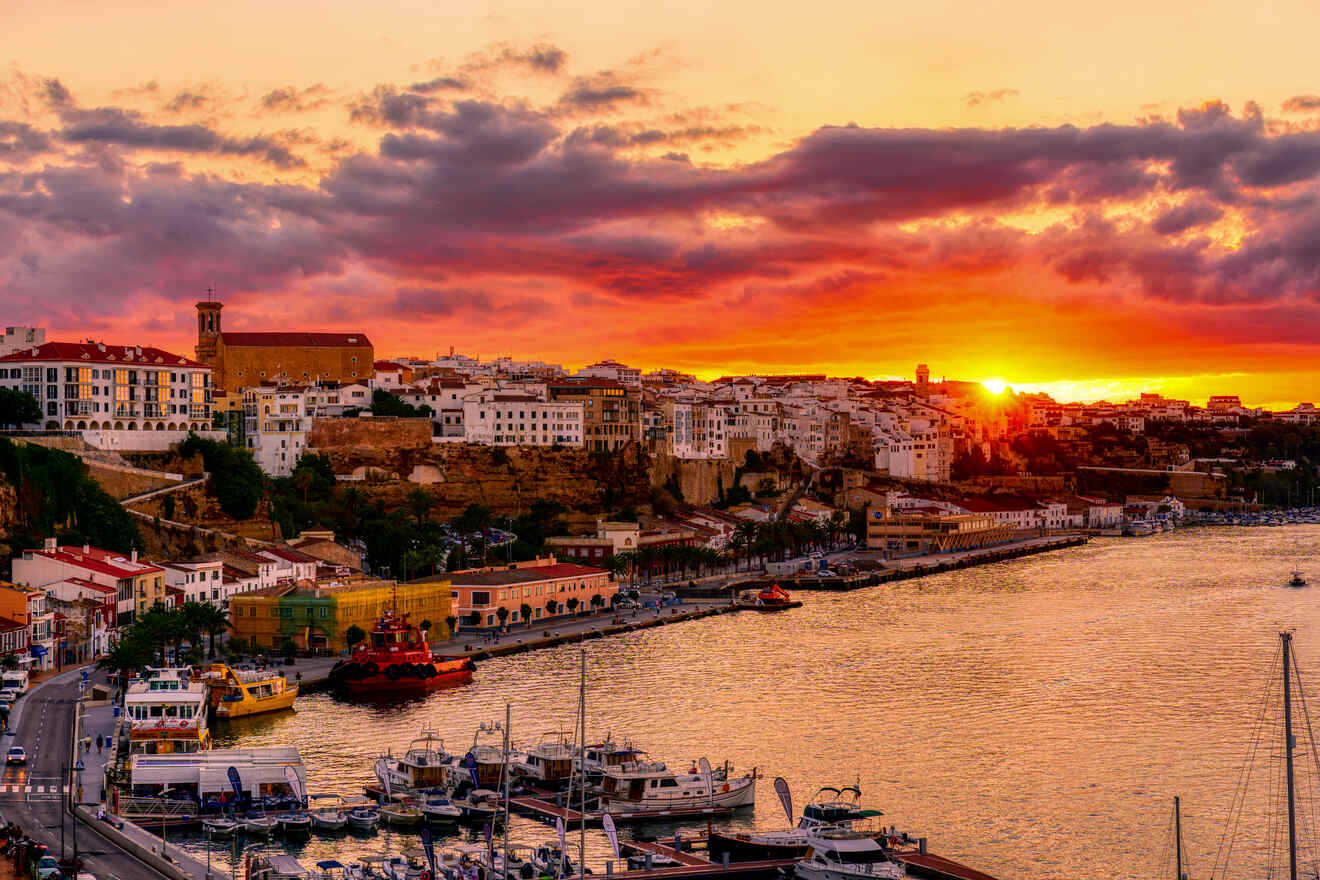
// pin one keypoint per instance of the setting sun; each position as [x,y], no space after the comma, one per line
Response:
[994,386]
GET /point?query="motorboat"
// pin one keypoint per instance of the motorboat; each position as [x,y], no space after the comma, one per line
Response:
[772,598]
[363,819]
[831,807]
[438,809]
[220,826]
[548,764]
[837,853]
[480,805]
[653,786]
[400,815]
[598,757]
[424,765]
[330,816]
[295,822]
[274,866]
[257,822]
[1297,580]
[549,860]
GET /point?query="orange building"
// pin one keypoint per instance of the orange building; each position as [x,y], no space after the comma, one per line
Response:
[241,360]
[547,590]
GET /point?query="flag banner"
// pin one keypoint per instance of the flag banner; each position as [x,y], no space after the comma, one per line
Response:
[785,797]
[607,822]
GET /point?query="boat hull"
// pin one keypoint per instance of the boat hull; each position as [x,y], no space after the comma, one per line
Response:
[737,796]
[402,679]
[756,848]
[226,710]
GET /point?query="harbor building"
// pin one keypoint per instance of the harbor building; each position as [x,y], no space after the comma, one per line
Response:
[611,412]
[316,616]
[919,534]
[242,359]
[547,590]
[30,607]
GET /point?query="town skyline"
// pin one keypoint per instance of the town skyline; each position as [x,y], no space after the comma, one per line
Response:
[676,199]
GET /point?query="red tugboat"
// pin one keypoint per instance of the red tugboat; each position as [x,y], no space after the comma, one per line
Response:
[395,661]
[772,598]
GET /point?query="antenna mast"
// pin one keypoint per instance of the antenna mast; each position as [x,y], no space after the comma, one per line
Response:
[1288,753]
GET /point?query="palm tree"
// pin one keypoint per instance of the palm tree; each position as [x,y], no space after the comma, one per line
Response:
[420,501]
[745,535]
[125,655]
[212,621]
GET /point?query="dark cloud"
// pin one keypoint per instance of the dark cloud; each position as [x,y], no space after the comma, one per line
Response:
[976,99]
[18,139]
[293,100]
[1189,215]
[440,84]
[416,302]
[543,58]
[55,94]
[113,125]
[1302,104]
[601,92]
[185,100]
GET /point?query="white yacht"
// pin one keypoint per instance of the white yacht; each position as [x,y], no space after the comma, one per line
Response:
[598,757]
[548,764]
[653,786]
[425,765]
[835,853]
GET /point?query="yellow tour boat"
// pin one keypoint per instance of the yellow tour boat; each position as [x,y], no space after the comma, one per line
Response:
[235,693]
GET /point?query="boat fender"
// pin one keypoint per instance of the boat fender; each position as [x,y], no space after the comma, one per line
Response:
[430,670]
[393,673]
[726,786]
[370,668]
[471,664]
[527,872]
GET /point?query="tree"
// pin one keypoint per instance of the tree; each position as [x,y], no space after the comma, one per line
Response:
[451,621]
[420,501]
[384,403]
[353,635]
[18,408]
[425,625]
[597,601]
[526,611]
[235,477]
[9,661]
[572,604]
[213,621]
[503,614]
[130,652]
[551,607]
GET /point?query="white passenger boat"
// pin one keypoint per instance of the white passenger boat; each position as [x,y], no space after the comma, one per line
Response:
[599,757]
[220,826]
[424,765]
[257,822]
[841,854]
[438,809]
[653,786]
[327,813]
[363,819]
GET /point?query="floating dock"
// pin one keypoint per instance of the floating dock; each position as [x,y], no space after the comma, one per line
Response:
[550,810]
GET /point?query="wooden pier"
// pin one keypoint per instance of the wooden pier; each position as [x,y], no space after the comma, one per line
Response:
[550,810]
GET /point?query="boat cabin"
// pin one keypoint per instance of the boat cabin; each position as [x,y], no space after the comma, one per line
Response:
[166,714]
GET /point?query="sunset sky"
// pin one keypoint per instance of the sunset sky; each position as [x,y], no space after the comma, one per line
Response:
[1092,201]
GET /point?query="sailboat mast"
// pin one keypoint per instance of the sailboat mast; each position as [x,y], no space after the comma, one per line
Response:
[1177,837]
[507,721]
[582,744]
[1288,753]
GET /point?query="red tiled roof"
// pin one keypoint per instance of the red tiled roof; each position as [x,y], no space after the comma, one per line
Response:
[289,555]
[7,625]
[89,585]
[297,339]
[96,559]
[528,575]
[92,352]
[387,365]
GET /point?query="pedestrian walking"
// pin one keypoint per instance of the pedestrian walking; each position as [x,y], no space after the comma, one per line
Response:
[100,740]
[87,745]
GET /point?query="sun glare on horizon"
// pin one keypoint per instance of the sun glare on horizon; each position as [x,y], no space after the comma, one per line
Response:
[994,386]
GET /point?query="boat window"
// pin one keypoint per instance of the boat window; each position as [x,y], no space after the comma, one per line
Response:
[669,783]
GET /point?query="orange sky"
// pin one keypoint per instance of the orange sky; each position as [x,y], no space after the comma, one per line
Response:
[1089,203]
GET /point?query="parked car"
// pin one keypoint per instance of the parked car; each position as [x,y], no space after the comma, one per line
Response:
[5,706]
[9,695]
[625,603]
[16,756]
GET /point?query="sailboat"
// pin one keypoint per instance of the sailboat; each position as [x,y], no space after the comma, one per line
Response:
[1299,836]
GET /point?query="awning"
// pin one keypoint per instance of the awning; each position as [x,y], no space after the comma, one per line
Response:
[38,650]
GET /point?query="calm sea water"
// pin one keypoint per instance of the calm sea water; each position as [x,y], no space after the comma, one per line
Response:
[1033,719]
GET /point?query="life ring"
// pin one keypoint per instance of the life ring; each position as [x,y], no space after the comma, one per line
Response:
[393,673]
[726,787]
[370,668]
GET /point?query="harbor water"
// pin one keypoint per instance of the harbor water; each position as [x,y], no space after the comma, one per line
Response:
[1033,718]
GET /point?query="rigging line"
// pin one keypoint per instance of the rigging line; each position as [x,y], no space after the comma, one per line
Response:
[1165,853]
[1224,851]
[1315,757]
